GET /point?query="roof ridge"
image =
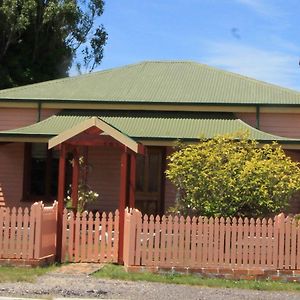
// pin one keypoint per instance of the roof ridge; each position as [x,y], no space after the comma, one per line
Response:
[221,70]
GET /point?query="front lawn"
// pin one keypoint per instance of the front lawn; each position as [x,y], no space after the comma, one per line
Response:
[14,274]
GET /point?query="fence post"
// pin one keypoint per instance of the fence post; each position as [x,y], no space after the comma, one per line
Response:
[130,236]
[38,230]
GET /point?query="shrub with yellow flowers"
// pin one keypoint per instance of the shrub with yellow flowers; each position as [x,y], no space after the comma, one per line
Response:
[232,175]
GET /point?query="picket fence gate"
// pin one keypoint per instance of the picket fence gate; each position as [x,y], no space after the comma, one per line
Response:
[215,242]
[89,237]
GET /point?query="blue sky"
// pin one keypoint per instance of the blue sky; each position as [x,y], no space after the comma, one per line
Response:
[257,38]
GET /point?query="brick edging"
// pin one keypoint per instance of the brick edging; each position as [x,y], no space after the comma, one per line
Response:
[19,262]
[226,273]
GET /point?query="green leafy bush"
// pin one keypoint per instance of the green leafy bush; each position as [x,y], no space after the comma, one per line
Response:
[232,176]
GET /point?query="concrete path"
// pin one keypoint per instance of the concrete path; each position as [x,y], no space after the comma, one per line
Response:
[78,269]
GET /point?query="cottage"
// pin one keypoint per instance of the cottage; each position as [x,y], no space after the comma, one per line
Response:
[124,121]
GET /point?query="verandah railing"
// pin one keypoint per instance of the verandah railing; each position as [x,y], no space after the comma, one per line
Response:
[215,242]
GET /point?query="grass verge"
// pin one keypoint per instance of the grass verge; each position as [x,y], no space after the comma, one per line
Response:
[118,272]
[14,274]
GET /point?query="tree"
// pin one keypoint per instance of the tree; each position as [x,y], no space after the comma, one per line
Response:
[40,38]
[232,176]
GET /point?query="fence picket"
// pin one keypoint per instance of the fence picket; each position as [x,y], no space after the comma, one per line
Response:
[90,237]
[193,243]
[71,236]
[19,232]
[116,236]
[150,240]
[240,231]
[281,231]
[263,242]
[222,242]
[96,237]
[77,238]
[109,237]
[257,242]
[205,241]
[181,240]
[293,244]
[6,233]
[25,240]
[227,242]
[103,237]
[245,243]
[187,242]
[216,245]
[144,240]
[64,235]
[210,240]
[270,243]
[173,240]
[12,232]
[199,254]
[138,226]
[233,242]
[287,243]
[157,229]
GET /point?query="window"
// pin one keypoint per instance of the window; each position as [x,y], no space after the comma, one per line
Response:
[40,172]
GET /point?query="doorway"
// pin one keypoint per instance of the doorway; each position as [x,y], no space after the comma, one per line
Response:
[150,181]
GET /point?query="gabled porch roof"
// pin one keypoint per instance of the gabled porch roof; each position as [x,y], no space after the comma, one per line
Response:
[132,127]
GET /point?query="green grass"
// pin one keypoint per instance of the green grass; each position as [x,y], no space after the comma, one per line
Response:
[14,274]
[118,272]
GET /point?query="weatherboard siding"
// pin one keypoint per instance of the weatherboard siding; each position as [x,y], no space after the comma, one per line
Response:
[104,177]
[11,118]
[11,174]
[170,189]
[46,113]
[285,125]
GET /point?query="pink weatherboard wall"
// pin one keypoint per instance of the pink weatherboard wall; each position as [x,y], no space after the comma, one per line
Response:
[12,154]
[104,177]
[286,125]
[170,189]
[11,118]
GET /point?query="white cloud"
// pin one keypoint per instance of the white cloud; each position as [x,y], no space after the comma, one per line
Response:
[271,66]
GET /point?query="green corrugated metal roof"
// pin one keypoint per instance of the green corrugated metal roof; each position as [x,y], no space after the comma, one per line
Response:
[141,125]
[176,82]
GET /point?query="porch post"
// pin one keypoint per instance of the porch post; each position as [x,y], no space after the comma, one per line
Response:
[132,184]
[60,199]
[122,201]
[75,179]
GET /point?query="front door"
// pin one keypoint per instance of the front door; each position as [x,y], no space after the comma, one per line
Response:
[149,181]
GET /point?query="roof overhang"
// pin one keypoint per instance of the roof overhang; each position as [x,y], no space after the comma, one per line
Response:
[101,125]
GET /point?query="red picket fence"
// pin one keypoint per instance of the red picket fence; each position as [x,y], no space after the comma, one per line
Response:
[28,234]
[90,238]
[215,242]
